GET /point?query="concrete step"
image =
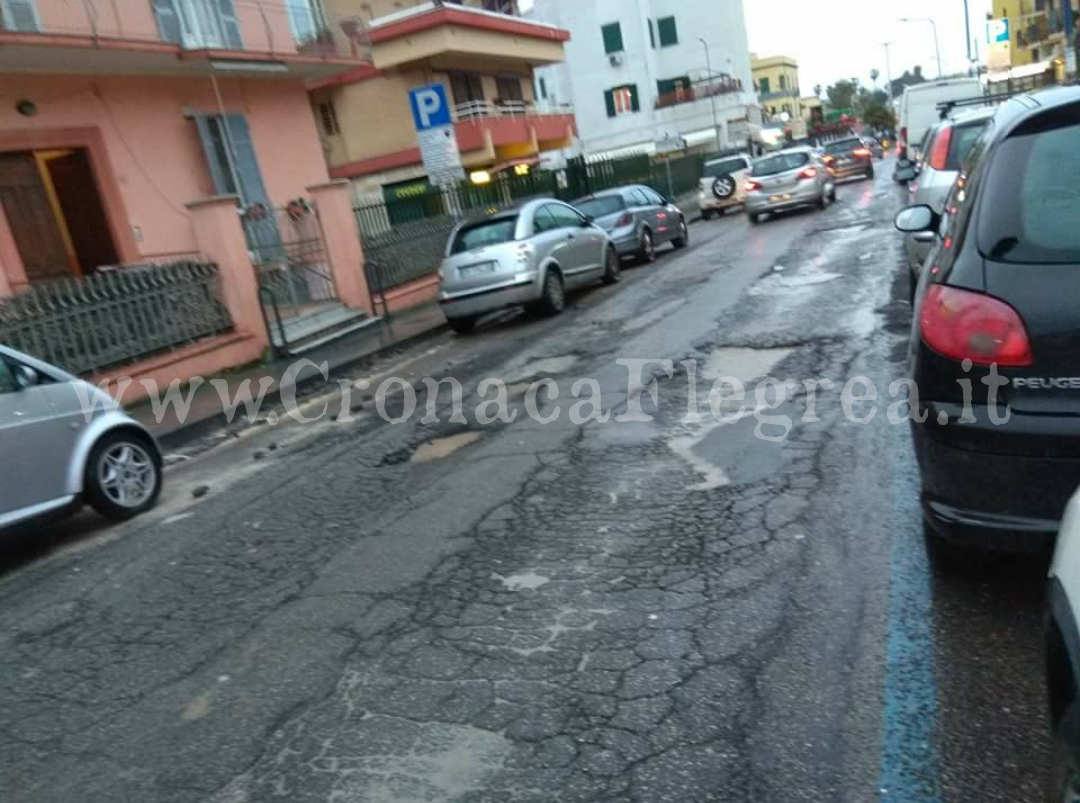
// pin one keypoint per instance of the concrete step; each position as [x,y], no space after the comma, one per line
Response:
[318,326]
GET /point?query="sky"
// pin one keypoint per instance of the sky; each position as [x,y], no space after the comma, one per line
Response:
[834,39]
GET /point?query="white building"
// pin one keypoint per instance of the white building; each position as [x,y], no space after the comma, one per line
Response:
[637,72]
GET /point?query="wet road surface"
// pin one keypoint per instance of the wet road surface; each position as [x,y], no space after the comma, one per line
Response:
[670,609]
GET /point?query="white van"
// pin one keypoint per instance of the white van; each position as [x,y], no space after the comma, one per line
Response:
[919,108]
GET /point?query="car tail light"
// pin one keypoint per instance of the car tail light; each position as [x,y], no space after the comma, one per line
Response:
[939,151]
[751,185]
[901,146]
[625,220]
[964,325]
[864,152]
[810,172]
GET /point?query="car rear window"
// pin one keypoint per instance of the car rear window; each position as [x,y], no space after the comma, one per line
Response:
[485,233]
[843,146]
[960,145]
[602,207]
[1028,213]
[724,168]
[780,163]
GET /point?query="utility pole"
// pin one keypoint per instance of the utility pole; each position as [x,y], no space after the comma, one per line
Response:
[967,33]
[712,93]
[937,42]
[888,69]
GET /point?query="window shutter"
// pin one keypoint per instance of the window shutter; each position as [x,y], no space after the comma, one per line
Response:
[247,165]
[609,100]
[669,34]
[230,26]
[612,38]
[20,15]
[219,169]
[168,21]
[634,104]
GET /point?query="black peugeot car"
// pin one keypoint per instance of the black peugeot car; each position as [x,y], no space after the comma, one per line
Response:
[998,303]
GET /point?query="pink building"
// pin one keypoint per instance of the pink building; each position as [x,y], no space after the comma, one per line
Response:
[136,132]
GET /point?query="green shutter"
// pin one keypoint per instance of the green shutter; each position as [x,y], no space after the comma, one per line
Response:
[652,34]
[609,100]
[612,38]
[669,34]
[763,86]
[634,104]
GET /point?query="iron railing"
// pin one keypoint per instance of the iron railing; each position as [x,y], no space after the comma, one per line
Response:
[486,110]
[116,317]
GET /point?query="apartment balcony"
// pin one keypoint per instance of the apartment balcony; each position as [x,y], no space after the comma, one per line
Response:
[782,94]
[511,129]
[700,91]
[452,37]
[177,37]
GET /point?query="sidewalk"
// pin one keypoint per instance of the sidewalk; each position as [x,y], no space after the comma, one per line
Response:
[207,411]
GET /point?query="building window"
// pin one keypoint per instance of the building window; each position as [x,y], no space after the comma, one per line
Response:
[763,86]
[230,156]
[19,15]
[199,25]
[612,38]
[783,82]
[328,119]
[466,87]
[669,34]
[542,88]
[509,88]
[304,19]
[622,100]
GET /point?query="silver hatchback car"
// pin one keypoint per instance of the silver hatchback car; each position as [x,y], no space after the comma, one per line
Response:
[638,219]
[787,180]
[64,442]
[531,253]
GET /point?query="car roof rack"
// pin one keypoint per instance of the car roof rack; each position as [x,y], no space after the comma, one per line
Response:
[949,106]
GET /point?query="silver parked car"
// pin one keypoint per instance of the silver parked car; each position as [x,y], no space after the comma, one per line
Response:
[531,253]
[948,144]
[65,442]
[787,180]
[637,219]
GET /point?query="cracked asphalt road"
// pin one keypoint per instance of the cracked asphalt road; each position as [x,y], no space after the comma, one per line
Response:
[664,610]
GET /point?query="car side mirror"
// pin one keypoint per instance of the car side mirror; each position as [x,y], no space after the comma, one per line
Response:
[919,218]
[588,221]
[903,164]
[26,377]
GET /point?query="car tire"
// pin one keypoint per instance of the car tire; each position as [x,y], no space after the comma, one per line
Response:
[725,187]
[1063,783]
[116,463]
[832,195]
[646,248]
[463,326]
[823,201]
[870,174]
[707,214]
[683,239]
[553,300]
[755,218]
[612,267]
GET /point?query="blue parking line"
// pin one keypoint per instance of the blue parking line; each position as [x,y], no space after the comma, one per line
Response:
[909,743]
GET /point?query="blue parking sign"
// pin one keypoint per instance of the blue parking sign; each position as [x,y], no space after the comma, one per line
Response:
[429,107]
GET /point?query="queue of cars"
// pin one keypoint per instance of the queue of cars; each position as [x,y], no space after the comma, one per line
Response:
[993,309]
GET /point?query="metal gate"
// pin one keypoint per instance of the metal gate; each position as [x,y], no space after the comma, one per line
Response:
[289,253]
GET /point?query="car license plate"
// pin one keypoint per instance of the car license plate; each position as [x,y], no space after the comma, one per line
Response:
[775,199]
[483,269]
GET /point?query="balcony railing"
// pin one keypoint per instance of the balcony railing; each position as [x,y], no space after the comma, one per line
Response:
[279,27]
[700,91]
[487,110]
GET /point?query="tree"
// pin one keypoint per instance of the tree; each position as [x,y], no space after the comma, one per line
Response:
[879,116]
[874,75]
[818,90]
[842,94]
[909,78]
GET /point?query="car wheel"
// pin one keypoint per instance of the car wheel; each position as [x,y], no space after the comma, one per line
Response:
[554,299]
[463,326]
[1063,785]
[755,218]
[707,214]
[646,248]
[832,195]
[612,267]
[724,187]
[823,201]
[870,173]
[683,239]
[123,475]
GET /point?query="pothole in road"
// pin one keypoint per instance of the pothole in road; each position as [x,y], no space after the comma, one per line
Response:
[439,448]
[526,581]
[546,366]
[742,363]
[779,283]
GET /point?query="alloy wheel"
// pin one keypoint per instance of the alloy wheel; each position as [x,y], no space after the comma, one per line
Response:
[127,475]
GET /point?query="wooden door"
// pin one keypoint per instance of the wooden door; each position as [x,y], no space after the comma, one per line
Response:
[31,218]
[76,190]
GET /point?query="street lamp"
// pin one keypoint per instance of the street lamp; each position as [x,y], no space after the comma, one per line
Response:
[712,93]
[937,44]
[888,69]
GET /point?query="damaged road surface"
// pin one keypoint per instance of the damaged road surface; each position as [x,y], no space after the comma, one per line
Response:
[671,608]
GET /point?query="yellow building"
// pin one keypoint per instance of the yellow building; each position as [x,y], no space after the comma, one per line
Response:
[482,52]
[776,80]
[1036,30]
[809,106]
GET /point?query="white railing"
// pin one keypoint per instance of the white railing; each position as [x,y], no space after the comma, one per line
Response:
[487,110]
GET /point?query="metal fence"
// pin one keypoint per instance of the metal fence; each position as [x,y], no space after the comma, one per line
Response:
[89,324]
[288,250]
